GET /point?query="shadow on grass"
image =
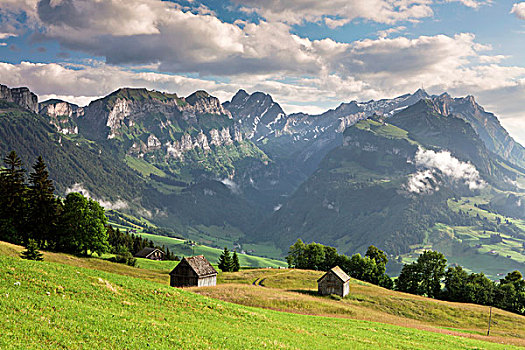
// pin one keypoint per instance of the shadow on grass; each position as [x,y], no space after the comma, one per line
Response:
[306,291]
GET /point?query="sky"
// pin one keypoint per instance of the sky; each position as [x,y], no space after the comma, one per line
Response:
[310,55]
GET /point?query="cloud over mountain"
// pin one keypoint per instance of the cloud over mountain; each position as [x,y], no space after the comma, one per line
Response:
[436,167]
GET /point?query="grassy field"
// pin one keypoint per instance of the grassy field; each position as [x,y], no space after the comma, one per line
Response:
[295,291]
[179,248]
[51,305]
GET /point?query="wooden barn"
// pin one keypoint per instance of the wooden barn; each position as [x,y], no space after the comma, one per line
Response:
[195,271]
[335,281]
[151,253]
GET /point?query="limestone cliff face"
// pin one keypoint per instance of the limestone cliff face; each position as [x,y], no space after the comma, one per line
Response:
[113,115]
[21,96]
[62,115]
[222,137]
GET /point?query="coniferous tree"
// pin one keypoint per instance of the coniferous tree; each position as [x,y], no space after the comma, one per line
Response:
[225,261]
[31,252]
[235,262]
[12,200]
[42,205]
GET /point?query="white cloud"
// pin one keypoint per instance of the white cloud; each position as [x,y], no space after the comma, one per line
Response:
[81,84]
[385,33]
[492,59]
[118,205]
[4,36]
[336,13]
[472,3]
[518,10]
[441,165]
[233,186]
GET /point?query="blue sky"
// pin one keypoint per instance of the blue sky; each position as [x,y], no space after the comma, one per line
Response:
[309,55]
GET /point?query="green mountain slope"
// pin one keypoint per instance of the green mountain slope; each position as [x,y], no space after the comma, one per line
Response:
[392,184]
[70,159]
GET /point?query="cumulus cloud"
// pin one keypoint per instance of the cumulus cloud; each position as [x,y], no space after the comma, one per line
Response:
[436,167]
[472,3]
[81,84]
[336,13]
[518,10]
[118,205]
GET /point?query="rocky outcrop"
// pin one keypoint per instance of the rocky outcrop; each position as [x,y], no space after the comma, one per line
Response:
[176,149]
[21,96]
[111,116]
[62,115]
[201,102]
[257,115]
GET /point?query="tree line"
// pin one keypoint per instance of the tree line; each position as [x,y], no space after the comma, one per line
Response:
[31,211]
[314,256]
[427,276]
[31,215]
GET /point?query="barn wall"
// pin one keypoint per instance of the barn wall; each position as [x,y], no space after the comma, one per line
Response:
[331,284]
[208,281]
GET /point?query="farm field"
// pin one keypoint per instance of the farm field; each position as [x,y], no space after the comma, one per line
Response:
[52,305]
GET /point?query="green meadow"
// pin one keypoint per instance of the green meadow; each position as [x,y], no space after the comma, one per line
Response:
[47,305]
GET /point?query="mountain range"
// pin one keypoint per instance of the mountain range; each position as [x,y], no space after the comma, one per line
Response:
[405,174]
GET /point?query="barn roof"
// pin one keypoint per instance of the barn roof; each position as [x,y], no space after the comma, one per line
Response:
[199,264]
[338,272]
[144,253]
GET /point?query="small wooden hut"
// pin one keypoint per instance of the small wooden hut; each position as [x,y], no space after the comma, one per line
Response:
[151,253]
[335,281]
[195,271]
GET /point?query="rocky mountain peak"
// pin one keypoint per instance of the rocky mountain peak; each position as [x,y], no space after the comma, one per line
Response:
[62,115]
[22,96]
[197,95]
[240,97]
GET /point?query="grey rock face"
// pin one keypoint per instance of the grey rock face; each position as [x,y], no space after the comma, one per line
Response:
[62,115]
[21,96]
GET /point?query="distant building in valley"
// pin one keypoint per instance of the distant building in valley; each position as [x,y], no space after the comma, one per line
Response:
[151,253]
[335,281]
[195,271]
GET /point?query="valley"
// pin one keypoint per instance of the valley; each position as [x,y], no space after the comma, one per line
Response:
[362,173]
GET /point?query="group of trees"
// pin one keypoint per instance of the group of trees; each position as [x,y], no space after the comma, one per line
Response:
[314,256]
[229,263]
[125,245]
[31,211]
[427,275]
[31,215]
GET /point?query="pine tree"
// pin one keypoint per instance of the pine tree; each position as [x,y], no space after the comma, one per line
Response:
[12,200]
[42,205]
[235,262]
[31,252]
[225,261]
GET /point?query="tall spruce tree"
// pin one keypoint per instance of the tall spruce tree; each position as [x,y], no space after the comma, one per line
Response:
[12,200]
[235,262]
[42,206]
[225,261]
